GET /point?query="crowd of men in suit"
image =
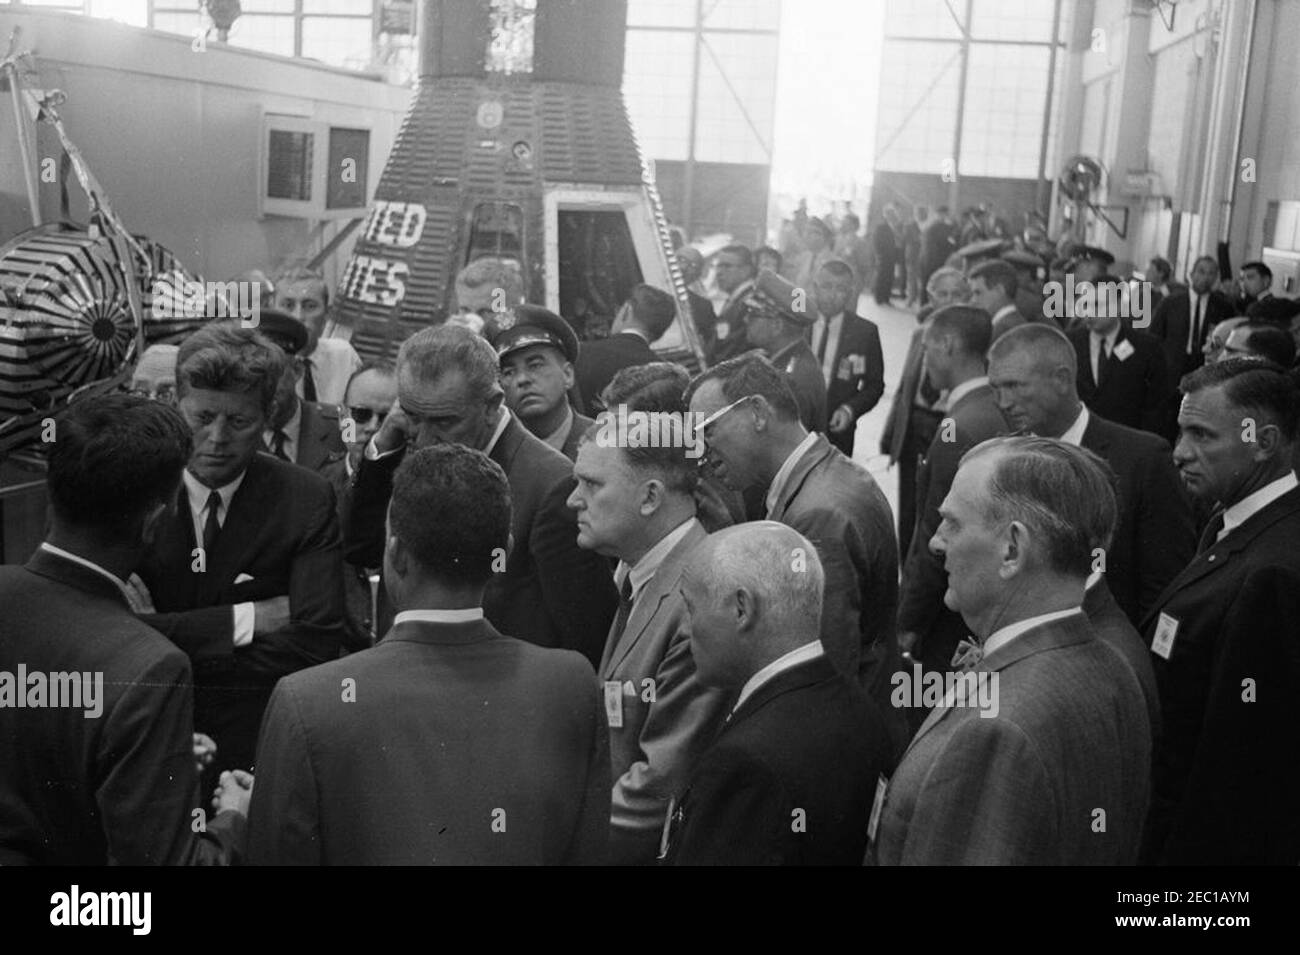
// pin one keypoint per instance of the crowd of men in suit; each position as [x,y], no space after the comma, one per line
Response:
[444,611]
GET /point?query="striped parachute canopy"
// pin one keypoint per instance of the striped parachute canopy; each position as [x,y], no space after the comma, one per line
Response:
[66,321]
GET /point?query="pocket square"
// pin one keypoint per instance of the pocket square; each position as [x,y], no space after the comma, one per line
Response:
[243,579]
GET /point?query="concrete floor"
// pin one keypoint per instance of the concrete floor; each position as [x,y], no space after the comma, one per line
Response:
[896,325]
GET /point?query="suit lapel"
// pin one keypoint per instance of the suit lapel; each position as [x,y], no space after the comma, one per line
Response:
[248,512]
[662,585]
[1221,554]
[503,453]
[815,455]
[312,439]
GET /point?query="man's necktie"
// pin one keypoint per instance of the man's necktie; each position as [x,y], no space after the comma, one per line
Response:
[624,609]
[278,439]
[1194,334]
[1210,536]
[308,382]
[821,342]
[1103,362]
[211,526]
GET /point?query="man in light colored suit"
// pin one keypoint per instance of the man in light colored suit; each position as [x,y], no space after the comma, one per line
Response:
[637,504]
[1053,766]
[447,743]
[749,421]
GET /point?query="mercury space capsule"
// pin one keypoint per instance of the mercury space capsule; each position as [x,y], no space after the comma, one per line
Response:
[516,158]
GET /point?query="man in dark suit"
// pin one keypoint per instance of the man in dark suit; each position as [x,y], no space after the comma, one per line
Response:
[1122,373]
[790,777]
[636,504]
[246,574]
[938,242]
[751,429]
[884,242]
[1114,629]
[643,319]
[105,775]
[1223,633]
[733,272]
[956,340]
[1032,370]
[847,347]
[1041,755]
[453,744]
[1182,321]
[546,591]
[691,262]
[917,407]
[305,433]
[537,356]
[993,287]
[777,324]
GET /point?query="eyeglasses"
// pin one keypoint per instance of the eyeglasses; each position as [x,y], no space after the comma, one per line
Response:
[362,416]
[717,415]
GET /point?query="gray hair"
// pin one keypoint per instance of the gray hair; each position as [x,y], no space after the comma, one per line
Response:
[946,272]
[431,353]
[1064,494]
[1046,343]
[775,562]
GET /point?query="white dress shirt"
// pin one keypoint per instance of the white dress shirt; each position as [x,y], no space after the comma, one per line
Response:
[1252,504]
[820,330]
[787,468]
[1074,433]
[1094,346]
[461,615]
[332,363]
[1008,309]
[1004,635]
[1195,305]
[809,651]
[244,617]
[644,569]
[965,388]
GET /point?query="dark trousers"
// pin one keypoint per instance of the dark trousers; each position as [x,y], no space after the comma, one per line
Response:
[921,426]
[884,280]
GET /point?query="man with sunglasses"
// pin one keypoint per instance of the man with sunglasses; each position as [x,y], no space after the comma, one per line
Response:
[749,423]
[544,589]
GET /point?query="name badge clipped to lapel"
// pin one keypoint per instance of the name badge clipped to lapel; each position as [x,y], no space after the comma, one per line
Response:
[1123,350]
[1162,644]
[882,785]
[614,703]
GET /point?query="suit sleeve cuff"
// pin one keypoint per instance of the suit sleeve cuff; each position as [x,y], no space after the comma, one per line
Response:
[245,618]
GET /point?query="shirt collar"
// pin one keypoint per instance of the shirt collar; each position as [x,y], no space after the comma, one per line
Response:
[557,437]
[198,493]
[463,615]
[1005,635]
[502,423]
[1007,309]
[965,388]
[787,661]
[89,565]
[1110,339]
[787,468]
[1074,433]
[637,332]
[648,565]
[1252,504]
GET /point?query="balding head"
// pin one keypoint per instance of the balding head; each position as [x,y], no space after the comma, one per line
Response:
[754,593]
[1032,370]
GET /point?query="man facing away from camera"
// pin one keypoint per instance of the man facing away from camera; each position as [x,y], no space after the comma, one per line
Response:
[447,743]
